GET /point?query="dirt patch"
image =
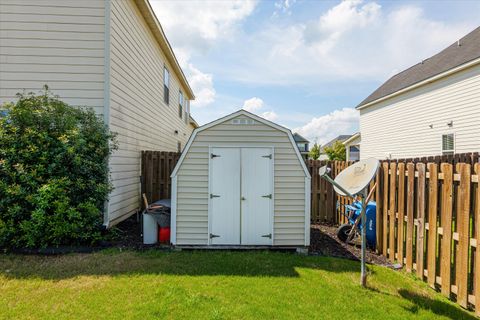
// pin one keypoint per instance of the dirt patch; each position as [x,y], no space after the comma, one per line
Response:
[323,241]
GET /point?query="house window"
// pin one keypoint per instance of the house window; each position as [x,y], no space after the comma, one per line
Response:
[187,110]
[180,104]
[166,85]
[448,144]
[179,147]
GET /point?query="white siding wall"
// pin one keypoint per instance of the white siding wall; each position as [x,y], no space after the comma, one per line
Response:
[400,126]
[55,42]
[192,183]
[137,111]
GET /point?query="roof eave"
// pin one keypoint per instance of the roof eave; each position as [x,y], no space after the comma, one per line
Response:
[421,83]
[156,28]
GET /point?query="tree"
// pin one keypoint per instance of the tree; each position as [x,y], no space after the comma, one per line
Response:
[54,176]
[336,151]
[315,151]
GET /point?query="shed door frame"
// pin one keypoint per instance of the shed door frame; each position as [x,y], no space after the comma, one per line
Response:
[272,207]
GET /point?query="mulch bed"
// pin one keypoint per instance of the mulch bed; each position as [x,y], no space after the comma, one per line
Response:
[323,241]
[128,235]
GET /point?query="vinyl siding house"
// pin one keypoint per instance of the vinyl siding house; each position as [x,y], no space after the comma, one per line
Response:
[432,108]
[112,56]
[302,145]
[352,147]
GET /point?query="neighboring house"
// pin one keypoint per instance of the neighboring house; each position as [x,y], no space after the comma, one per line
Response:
[341,138]
[352,147]
[302,145]
[112,56]
[431,108]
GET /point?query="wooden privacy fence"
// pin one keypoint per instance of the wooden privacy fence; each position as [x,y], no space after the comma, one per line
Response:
[428,219]
[326,206]
[156,169]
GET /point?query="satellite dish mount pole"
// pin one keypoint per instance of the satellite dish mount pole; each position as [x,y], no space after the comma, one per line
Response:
[364,199]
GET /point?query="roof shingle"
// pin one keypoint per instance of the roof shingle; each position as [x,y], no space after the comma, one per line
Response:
[462,51]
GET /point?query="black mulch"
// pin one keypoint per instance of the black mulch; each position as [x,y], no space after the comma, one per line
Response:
[323,241]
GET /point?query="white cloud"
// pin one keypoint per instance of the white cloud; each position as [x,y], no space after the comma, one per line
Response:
[270,115]
[326,127]
[283,6]
[352,41]
[197,24]
[253,104]
[202,86]
[192,28]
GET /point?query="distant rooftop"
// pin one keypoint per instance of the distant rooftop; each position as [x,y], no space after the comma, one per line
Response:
[462,51]
[299,138]
[340,138]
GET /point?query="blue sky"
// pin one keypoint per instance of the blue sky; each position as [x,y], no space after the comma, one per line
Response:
[304,64]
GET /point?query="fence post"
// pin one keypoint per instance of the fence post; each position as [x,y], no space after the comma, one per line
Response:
[385,208]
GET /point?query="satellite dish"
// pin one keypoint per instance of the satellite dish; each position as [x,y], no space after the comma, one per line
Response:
[356,177]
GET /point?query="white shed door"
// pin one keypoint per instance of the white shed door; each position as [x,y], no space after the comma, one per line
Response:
[257,196]
[225,196]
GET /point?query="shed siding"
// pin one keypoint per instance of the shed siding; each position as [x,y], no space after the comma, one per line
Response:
[289,182]
[58,43]
[137,111]
[400,126]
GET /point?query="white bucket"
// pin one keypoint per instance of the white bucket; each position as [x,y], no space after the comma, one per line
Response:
[150,229]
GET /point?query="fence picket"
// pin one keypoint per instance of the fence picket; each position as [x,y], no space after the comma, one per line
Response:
[392,210]
[432,223]
[385,208]
[463,219]
[477,249]
[379,213]
[446,222]
[410,223]
[401,211]
[420,219]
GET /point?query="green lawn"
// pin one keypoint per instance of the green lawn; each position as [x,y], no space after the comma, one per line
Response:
[210,285]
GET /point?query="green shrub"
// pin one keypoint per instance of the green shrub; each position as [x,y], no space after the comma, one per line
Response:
[54,177]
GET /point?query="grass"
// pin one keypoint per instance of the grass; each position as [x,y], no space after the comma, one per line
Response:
[210,285]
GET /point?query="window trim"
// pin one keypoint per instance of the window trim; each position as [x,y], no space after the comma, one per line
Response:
[447,151]
[180,103]
[166,88]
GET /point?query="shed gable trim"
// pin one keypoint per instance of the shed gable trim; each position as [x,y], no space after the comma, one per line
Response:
[231,116]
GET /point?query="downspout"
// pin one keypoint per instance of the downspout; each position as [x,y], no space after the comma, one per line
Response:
[106,89]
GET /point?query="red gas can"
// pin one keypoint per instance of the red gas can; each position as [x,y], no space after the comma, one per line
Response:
[164,235]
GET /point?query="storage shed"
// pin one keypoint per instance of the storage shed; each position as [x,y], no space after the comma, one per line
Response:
[241,181]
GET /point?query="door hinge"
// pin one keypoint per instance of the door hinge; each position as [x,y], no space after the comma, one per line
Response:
[214,196]
[267,236]
[269,156]
[269,196]
[214,155]
[214,236]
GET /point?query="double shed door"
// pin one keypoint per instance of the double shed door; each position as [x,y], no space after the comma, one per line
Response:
[241,198]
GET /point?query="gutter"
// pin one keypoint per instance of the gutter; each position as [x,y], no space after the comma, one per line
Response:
[422,83]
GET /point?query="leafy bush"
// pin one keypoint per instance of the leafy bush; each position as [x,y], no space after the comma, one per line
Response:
[336,152]
[54,177]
